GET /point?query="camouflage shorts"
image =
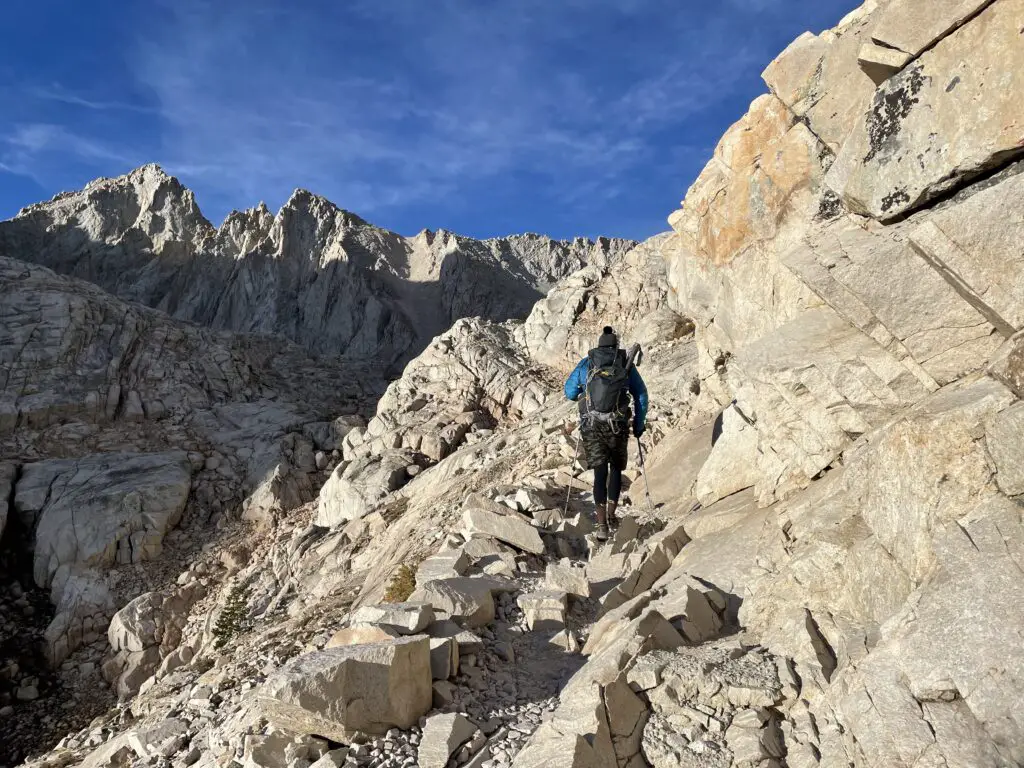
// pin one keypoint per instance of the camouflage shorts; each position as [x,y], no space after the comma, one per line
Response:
[606,443]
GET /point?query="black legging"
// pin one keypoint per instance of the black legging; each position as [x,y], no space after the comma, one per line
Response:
[607,485]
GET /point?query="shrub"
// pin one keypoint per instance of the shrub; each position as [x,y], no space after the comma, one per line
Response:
[401,586]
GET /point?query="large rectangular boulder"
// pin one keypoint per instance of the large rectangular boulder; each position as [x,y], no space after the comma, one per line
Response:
[443,565]
[407,618]
[510,528]
[466,600]
[358,634]
[948,117]
[367,688]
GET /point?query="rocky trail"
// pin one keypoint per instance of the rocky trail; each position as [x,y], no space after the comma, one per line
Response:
[502,630]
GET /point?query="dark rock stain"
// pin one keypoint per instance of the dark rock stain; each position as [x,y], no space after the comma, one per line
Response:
[897,197]
[953,84]
[830,206]
[893,102]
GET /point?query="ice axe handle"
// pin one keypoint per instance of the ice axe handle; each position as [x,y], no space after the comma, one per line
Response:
[633,356]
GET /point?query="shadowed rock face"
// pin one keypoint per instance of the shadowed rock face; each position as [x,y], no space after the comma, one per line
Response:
[313,273]
[108,414]
[72,351]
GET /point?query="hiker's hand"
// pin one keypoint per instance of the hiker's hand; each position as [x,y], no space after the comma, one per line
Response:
[638,429]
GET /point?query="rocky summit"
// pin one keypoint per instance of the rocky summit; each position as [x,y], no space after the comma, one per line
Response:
[315,274]
[236,534]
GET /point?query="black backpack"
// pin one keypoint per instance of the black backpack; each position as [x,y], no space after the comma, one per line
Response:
[607,382]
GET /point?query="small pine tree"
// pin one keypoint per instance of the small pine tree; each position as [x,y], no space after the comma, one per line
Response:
[233,616]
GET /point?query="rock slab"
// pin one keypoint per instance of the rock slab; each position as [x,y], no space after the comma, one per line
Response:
[369,688]
[100,510]
[442,735]
[465,600]
[948,117]
[512,530]
[404,618]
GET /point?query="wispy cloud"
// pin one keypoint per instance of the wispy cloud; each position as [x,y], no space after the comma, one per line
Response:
[475,93]
[403,110]
[58,94]
[34,149]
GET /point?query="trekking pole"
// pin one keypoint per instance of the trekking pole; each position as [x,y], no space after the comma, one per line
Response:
[643,468]
[572,474]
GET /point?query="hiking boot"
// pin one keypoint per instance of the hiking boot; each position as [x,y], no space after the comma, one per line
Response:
[602,522]
[611,517]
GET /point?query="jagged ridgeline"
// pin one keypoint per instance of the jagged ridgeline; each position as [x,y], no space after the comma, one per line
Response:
[269,569]
[315,274]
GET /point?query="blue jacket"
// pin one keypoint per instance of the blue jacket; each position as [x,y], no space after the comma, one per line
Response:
[576,385]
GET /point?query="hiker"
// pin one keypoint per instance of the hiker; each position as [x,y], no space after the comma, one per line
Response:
[603,383]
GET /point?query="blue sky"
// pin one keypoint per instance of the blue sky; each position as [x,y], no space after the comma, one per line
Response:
[485,117]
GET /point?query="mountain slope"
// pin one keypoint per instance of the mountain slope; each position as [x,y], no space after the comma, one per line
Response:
[829,571]
[127,441]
